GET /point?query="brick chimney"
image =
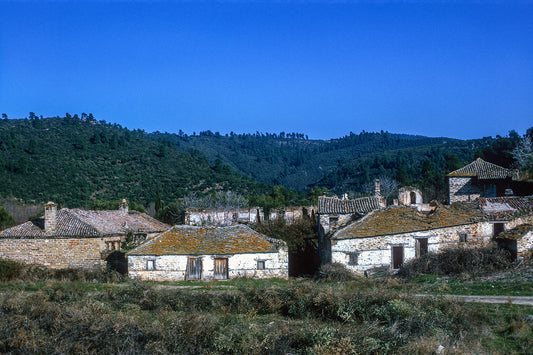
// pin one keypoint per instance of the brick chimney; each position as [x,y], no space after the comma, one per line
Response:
[123,206]
[377,188]
[50,218]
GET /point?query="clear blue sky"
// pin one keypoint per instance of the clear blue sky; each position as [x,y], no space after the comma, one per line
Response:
[322,68]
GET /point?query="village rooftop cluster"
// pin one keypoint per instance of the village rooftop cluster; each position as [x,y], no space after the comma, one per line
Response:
[362,234]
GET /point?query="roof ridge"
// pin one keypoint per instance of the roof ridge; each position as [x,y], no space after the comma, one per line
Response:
[72,215]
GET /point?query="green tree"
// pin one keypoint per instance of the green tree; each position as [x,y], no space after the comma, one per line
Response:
[6,219]
[452,162]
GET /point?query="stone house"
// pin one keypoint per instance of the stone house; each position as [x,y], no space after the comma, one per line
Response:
[335,213]
[69,238]
[198,253]
[478,179]
[518,240]
[388,237]
[229,217]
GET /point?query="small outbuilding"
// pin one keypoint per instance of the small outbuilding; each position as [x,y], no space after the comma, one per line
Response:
[478,179]
[198,253]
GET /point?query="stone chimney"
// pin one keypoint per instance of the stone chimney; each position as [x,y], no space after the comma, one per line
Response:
[123,206]
[50,218]
[377,188]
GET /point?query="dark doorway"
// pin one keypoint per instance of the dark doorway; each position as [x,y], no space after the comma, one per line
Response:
[421,247]
[397,256]
[304,261]
[221,269]
[413,198]
[194,269]
[498,229]
[117,261]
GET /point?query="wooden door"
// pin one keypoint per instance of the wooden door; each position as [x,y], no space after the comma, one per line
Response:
[221,269]
[421,247]
[194,267]
[397,256]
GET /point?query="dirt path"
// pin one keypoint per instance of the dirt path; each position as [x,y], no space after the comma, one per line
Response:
[520,300]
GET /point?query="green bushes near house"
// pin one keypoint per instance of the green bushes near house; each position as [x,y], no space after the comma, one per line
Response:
[299,318]
[455,261]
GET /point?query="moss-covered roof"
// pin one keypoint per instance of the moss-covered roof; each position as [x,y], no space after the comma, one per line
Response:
[516,233]
[190,240]
[405,219]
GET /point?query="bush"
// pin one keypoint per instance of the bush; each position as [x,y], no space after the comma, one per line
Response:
[9,270]
[335,272]
[456,261]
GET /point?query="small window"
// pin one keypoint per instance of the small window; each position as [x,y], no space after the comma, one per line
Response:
[333,221]
[463,237]
[150,264]
[353,258]
[260,265]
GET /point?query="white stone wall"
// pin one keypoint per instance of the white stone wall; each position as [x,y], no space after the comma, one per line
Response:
[377,251]
[173,267]
[525,243]
[231,217]
[461,189]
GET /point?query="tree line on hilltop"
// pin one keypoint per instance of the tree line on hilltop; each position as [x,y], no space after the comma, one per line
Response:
[78,161]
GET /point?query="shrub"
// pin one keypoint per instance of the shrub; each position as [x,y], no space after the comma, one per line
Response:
[456,261]
[335,272]
[10,270]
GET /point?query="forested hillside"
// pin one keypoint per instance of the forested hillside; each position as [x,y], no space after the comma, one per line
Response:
[71,161]
[344,164]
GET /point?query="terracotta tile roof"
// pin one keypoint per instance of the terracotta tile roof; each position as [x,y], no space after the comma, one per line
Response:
[190,240]
[506,207]
[405,219]
[82,223]
[483,170]
[516,233]
[327,205]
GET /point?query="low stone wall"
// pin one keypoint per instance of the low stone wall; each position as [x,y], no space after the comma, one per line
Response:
[57,253]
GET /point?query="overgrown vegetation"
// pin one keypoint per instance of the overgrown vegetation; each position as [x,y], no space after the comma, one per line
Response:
[87,313]
[471,262]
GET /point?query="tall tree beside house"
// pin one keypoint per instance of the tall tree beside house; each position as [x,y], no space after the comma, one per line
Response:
[6,220]
[158,202]
[523,153]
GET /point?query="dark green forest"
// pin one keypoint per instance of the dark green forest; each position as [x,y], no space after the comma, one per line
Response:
[74,160]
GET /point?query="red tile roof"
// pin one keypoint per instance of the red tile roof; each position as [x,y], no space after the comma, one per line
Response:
[334,205]
[482,170]
[190,240]
[83,223]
